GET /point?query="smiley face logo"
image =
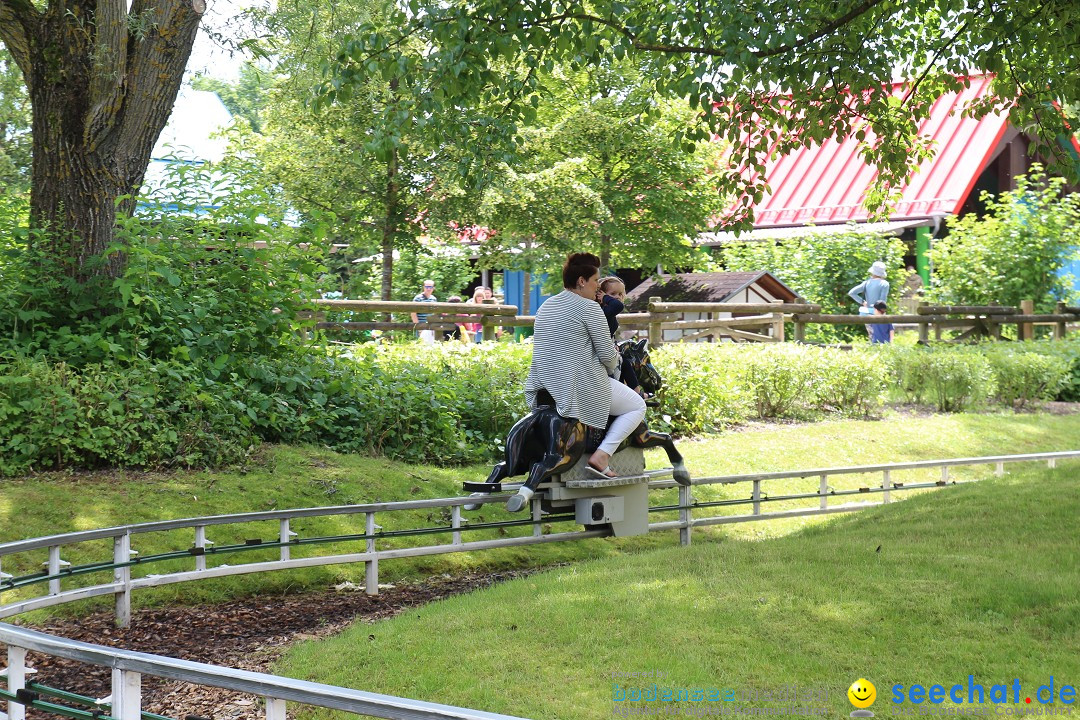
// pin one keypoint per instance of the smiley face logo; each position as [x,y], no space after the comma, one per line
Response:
[862,693]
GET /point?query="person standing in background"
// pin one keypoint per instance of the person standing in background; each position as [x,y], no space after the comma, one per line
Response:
[476,329]
[426,295]
[870,292]
[881,332]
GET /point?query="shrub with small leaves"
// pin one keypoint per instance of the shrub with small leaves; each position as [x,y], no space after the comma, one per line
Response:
[1021,376]
[952,379]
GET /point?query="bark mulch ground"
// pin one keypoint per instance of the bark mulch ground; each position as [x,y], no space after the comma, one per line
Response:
[250,634]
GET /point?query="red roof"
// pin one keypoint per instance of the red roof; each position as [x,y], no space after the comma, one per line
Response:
[827,183]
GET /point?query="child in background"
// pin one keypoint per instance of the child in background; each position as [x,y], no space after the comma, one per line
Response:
[880,332]
[612,292]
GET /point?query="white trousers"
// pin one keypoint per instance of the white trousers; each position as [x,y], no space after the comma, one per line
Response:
[629,410]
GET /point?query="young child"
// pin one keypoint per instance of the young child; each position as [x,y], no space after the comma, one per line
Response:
[880,332]
[612,292]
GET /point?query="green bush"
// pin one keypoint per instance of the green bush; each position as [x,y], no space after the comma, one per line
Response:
[952,379]
[1021,377]
[703,390]
[1039,370]
[1068,354]
[782,379]
[851,382]
[162,414]
[453,403]
[1014,251]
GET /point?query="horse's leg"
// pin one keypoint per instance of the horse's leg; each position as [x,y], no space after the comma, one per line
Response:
[514,462]
[643,437]
[566,446]
[513,456]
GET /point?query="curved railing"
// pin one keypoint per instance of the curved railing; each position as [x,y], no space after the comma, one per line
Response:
[276,691]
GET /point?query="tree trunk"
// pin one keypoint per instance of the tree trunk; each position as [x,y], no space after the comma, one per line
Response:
[605,237]
[102,80]
[390,225]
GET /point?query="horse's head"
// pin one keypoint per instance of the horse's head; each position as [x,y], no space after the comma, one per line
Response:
[636,352]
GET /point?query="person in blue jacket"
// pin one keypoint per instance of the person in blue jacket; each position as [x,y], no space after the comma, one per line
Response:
[870,292]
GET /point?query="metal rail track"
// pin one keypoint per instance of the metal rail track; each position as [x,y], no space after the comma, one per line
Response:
[129,666]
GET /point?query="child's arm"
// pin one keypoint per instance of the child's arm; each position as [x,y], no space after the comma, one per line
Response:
[611,305]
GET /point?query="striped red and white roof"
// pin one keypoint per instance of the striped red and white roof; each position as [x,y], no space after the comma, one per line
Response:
[827,183]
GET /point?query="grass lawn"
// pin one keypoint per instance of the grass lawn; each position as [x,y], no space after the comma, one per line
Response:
[981,579]
[287,477]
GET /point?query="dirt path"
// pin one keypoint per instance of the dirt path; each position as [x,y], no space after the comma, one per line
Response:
[250,634]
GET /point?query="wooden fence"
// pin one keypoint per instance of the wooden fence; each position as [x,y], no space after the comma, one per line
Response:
[739,322]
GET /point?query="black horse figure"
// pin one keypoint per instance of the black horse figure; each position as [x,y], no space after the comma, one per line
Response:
[544,443]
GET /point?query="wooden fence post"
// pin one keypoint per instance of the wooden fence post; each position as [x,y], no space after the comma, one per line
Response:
[800,330]
[1059,328]
[656,330]
[924,328]
[1027,330]
[487,325]
[778,322]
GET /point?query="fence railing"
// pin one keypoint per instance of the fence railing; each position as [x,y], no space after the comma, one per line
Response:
[377,544]
[129,666]
[740,322]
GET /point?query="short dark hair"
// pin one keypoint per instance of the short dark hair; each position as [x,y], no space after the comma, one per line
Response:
[579,265]
[880,305]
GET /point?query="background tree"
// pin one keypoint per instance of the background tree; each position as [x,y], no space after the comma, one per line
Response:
[1014,252]
[246,97]
[599,171]
[540,217]
[770,75]
[15,140]
[371,167]
[102,77]
[656,195]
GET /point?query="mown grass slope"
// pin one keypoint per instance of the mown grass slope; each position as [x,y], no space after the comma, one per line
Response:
[981,579]
[289,477]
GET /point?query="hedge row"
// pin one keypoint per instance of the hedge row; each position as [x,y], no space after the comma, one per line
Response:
[454,404]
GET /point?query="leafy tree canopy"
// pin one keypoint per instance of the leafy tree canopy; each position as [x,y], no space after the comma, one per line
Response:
[767,75]
[244,98]
[599,172]
[1015,252]
[15,141]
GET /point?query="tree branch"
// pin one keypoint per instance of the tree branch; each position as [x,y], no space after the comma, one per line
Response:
[17,19]
[638,44]
[157,58]
[109,68]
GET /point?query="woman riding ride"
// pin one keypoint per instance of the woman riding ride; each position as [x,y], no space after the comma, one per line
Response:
[573,357]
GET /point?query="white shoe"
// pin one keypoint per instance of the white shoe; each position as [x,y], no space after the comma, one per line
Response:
[474,506]
[520,500]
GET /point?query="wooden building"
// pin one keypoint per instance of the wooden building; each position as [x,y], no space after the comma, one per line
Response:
[714,287]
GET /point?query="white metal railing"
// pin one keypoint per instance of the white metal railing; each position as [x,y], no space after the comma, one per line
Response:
[128,665]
